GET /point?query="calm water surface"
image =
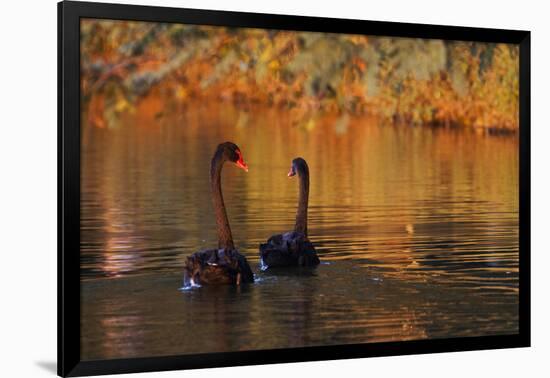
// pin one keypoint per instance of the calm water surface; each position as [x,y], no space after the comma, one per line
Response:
[417,229]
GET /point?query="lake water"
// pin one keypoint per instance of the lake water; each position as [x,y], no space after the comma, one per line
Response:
[417,230]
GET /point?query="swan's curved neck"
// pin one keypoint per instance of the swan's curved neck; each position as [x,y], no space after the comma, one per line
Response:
[301,214]
[225,239]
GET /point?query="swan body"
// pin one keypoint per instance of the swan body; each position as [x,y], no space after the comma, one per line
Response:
[288,249]
[217,267]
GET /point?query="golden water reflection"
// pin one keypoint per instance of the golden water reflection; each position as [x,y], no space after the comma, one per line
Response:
[410,220]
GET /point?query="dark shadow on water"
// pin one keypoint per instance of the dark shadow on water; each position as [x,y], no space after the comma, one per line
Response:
[50,366]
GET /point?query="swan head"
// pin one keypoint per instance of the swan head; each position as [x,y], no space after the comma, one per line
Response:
[233,153]
[298,165]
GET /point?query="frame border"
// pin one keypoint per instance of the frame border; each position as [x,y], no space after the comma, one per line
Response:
[68,220]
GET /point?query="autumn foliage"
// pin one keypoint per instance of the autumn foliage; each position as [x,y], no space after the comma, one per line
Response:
[411,81]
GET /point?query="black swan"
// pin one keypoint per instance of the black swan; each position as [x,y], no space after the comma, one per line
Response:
[224,265]
[292,248]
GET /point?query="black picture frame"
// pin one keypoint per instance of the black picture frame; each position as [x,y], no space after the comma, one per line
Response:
[69,15]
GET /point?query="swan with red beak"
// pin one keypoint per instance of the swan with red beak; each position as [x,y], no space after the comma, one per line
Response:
[222,265]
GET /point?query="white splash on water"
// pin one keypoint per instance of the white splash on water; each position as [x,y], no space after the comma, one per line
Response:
[189,286]
[263,266]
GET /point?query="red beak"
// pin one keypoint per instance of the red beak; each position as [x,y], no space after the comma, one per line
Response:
[240,163]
